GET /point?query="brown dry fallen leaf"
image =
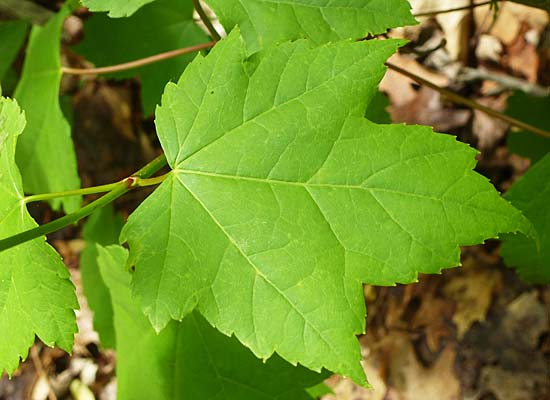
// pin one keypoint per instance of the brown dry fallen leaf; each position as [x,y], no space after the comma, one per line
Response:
[522,56]
[345,389]
[526,320]
[472,293]
[431,318]
[399,88]
[509,18]
[510,385]
[410,380]
[426,109]
[454,24]
[489,130]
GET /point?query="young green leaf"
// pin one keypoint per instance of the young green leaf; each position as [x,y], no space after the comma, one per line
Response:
[531,194]
[45,154]
[533,110]
[36,294]
[283,199]
[266,22]
[116,8]
[102,228]
[162,26]
[203,363]
[12,34]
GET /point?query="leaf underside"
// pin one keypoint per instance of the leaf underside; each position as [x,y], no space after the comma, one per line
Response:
[283,199]
[531,194]
[36,294]
[202,359]
[45,153]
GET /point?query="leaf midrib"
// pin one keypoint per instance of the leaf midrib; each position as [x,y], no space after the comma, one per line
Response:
[324,185]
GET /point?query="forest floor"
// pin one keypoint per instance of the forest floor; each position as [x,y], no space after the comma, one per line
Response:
[476,332]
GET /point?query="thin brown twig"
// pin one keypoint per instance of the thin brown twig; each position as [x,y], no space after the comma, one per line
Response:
[206,21]
[458,99]
[137,63]
[450,10]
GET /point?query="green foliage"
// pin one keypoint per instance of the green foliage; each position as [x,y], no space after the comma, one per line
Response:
[45,154]
[283,199]
[116,8]
[319,390]
[544,4]
[531,194]
[12,34]
[102,228]
[289,189]
[377,109]
[36,295]
[162,26]
[533,110]
[265,22]
[204,363]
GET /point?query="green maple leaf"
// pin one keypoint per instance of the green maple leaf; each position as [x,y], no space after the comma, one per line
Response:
[102,228]
[116,8]
[36,295]
[265,22]
[162,26]
[12,34]
[205,363]
[45,154]
[283,199]
[531,194]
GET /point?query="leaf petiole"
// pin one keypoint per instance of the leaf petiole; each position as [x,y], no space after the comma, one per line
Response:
[132,181]
[77,192]
[119,189]
[144,182]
